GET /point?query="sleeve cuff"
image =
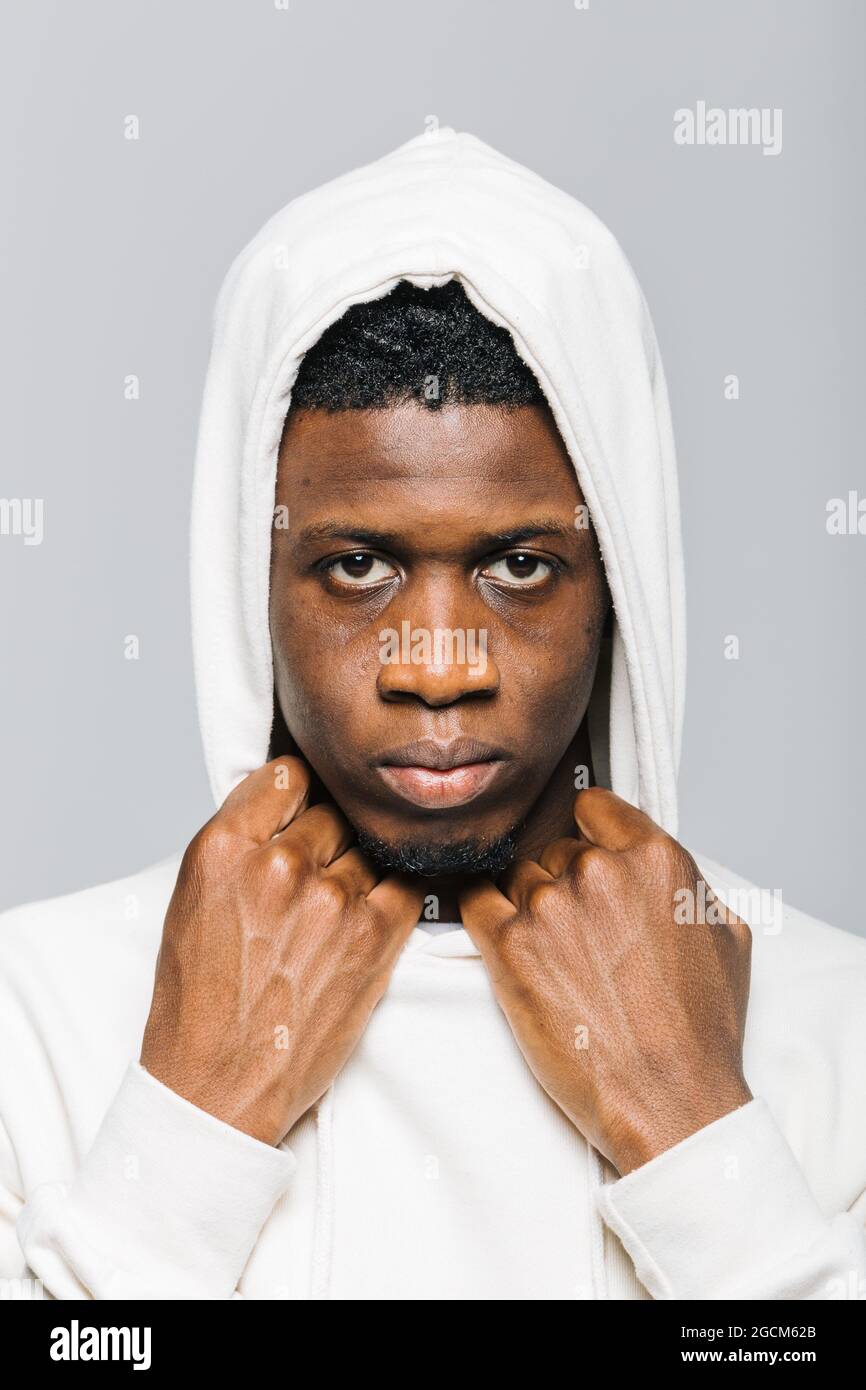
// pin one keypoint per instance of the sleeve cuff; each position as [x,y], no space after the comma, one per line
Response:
[727,1213]
[168,1202]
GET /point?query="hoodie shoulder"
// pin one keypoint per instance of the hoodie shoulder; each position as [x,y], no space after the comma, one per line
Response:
[78,969]
[802,968]
[107,916]
[803,942]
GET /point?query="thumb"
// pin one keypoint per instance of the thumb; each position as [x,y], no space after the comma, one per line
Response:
[483,908]
[398,900]
[266,801]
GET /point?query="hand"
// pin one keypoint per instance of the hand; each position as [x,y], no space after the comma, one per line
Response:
[632,1023]
[278,943]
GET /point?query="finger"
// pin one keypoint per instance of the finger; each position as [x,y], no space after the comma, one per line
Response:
[323,831]
[398,900]
[558,856]
[266,801]
[355,871]
[518,881]
[606,820]
[483,908]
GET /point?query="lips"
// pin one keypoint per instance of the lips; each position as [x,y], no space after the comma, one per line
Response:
[439,776]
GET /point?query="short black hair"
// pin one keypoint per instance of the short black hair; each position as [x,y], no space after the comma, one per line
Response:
[428,345]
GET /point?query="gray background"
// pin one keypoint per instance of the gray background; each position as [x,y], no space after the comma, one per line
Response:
[112,255]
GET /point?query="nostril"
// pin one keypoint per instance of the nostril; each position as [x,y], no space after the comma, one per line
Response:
[431,700]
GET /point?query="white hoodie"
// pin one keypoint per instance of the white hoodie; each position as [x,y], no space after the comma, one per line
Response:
[435,1167]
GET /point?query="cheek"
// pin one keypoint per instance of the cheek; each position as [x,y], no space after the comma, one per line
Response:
[320,684]
[560,643]
[298,650]
[551,688]
[548,672]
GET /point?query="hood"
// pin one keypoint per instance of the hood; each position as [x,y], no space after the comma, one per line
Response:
[531,258]
[536,261]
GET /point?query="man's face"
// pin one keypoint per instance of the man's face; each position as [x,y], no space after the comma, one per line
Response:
[436,612]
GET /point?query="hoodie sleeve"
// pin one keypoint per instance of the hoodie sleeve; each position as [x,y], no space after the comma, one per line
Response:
[168,1203]
[727,1213]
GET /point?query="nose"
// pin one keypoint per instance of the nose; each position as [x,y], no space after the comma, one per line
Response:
[436,666]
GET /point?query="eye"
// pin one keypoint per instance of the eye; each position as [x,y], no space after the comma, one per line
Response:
[520,569]
[359,570]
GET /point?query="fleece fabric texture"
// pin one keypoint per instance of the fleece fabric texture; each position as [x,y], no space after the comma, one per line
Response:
[435,1167]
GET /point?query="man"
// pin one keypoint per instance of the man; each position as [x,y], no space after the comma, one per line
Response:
[435,1006]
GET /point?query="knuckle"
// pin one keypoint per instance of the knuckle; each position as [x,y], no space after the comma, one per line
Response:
[658,845]
[282,863]
[213,845]
[558,855]
[334,894]
[591,866]
[540,895]
[665,857]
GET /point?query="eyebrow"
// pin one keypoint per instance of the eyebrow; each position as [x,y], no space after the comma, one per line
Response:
[383,540]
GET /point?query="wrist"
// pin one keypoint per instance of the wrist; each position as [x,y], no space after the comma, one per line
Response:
[668,1122]
[244,1110]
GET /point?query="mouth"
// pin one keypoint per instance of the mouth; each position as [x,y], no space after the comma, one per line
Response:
[439,776]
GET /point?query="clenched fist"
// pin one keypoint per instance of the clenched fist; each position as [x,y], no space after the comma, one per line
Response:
[278,943]
[631,1022]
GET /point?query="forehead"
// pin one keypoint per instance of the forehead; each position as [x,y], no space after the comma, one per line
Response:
[465,459]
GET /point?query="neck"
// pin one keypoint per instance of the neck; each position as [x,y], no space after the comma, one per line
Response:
[551,818]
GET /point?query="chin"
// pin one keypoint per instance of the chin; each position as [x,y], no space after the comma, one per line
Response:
[429,858]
